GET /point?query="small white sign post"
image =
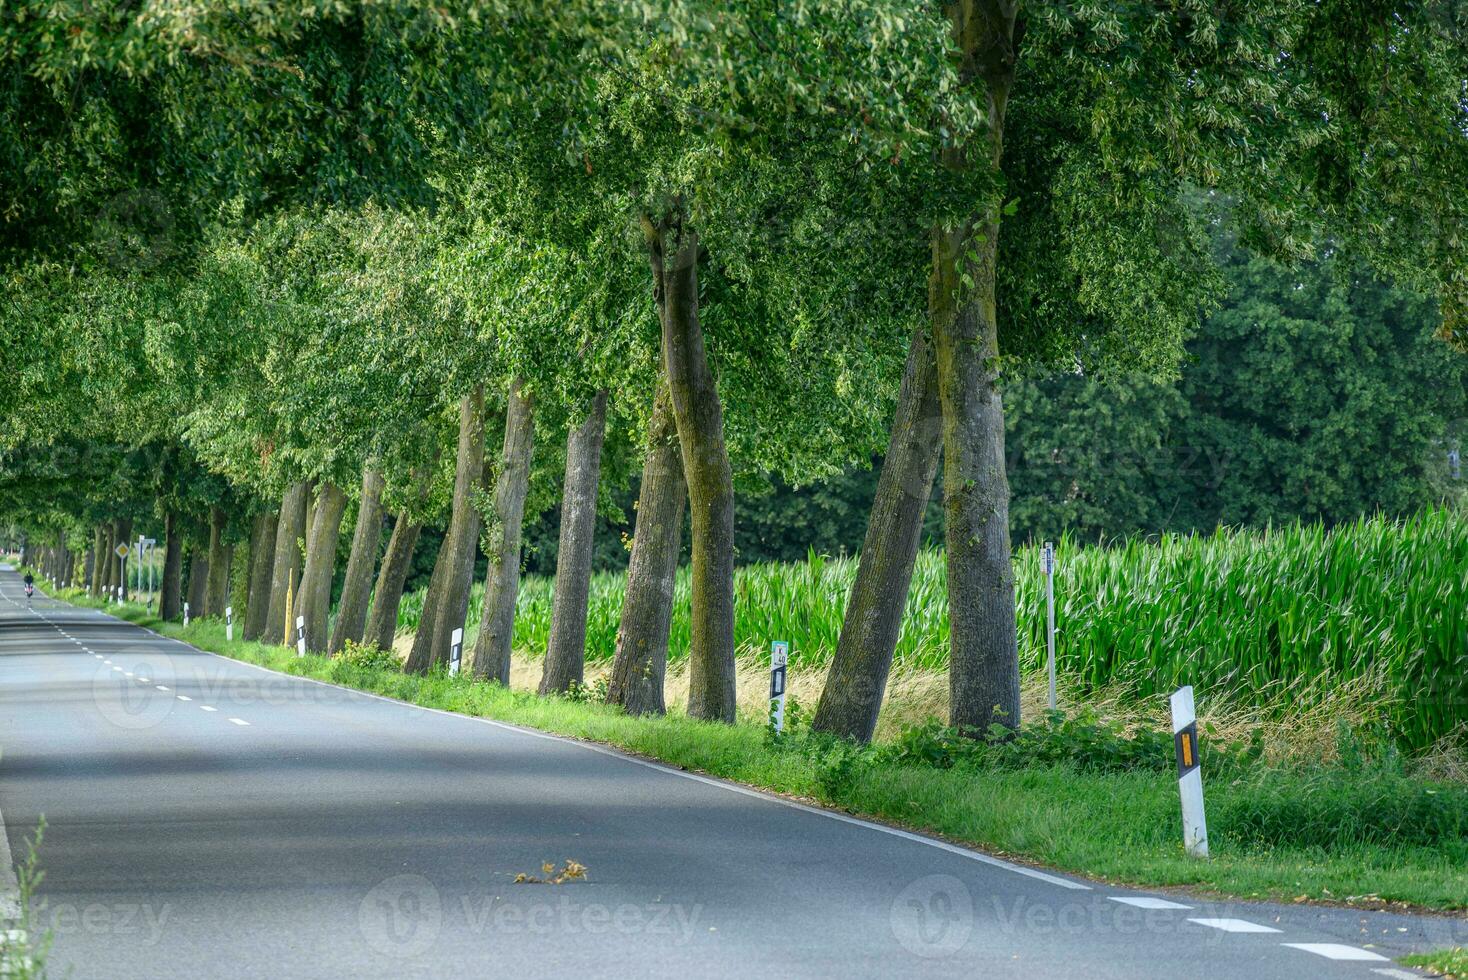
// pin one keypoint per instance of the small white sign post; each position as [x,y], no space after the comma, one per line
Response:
[456,651]
[1189,776]
[779,657]
[1049,560]
[229,623]
[186,614]
[300,636]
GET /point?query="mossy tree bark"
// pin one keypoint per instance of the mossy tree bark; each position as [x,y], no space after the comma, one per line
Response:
[647,606]
[674,252]
[493,646]
[109,560]
[983,649]
[857,680]
[124,535]
[99,560]
[285,568]
[565,655]
[170,601]
[198,578]
[351,612]
[262,557]
[387,595]
[453,571]
[321,547]
[218,586]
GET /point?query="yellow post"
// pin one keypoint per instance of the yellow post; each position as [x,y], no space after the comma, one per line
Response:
[290,597]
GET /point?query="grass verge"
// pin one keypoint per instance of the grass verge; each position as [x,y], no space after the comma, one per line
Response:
[1384,839]
[1451,963]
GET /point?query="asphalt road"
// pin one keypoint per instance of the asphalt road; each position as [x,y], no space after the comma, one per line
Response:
[207,818]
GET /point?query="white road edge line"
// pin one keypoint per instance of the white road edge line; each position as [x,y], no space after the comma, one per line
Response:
[1146,902]
[1235,925]
[9,883]
[1339,951]
[941,845]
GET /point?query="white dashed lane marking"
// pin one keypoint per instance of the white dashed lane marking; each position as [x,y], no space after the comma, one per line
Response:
[207,707]
[161,687]
[240,721]
[1338,951]
[184,697]
[1147,902]
[1234,925]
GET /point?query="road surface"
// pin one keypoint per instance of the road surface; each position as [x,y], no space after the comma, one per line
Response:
[208,818]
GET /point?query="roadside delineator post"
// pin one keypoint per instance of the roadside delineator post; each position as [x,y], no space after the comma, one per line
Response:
[229,623]
[300,636]
[1049,561]
[456,651]
[1189,775]
[779,657]
[186,614]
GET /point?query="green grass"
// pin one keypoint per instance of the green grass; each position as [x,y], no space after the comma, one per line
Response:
[1267,618]
[1449,962]
[1117,825]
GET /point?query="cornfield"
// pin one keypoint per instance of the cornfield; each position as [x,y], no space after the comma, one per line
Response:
[1286,613]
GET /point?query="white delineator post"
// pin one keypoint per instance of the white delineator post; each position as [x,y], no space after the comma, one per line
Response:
[300,636]
[186,614]
[229,623]
[1189,775]
[456,651]
[779,657]
[1049,560]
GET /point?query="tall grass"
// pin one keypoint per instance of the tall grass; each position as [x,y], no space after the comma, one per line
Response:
[1271,616]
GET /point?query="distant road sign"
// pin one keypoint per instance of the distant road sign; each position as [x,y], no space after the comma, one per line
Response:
[122,550]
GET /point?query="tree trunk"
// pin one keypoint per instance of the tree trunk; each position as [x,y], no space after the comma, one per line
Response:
[198,579]
[496,638]
[99,561]
[647,607]
[124,535]
[315,604]
[218,584]
[983,650]
[382,625]
[674,255]
[170,603]
[857,680]
[453,572]
[565,655]
[262,557]
[89,563]
[109,561]
[351,612]
[285,568]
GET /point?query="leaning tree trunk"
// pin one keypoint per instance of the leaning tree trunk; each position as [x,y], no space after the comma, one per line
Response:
[124,535]
[170,602]
[674,254]
[983,651]
[285,570]
[387,595]
[453,572]
[565,654]
[99,560]
[495,642]
[315,604]
[351,612]
[198,579]
[647,607]
[218,585]
[857,680]
[262,557]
